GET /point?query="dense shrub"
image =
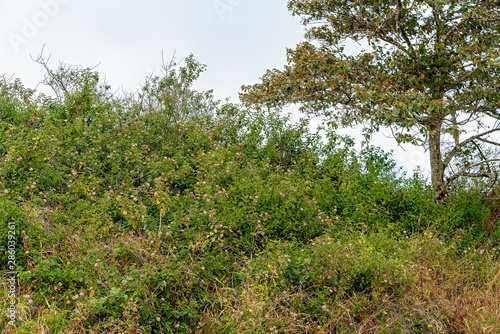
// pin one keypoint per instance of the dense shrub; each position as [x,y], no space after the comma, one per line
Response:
[168,211]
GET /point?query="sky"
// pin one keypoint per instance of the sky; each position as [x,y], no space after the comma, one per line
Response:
[238,40]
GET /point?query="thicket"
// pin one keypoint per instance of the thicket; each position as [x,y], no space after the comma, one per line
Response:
[170,212]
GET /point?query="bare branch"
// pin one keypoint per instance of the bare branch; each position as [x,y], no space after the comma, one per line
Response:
[479,163]
[457,148]
[485,160]
[493,176]
[489,141]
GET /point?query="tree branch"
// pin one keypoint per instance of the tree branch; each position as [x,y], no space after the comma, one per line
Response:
[449,180]
[455,27]
[403,32]
[492,175]
[438,23]
[390,40]
[489,141]
[485,160]
[455,150]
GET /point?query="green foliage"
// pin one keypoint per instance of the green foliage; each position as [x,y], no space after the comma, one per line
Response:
[429,72]
[181,219]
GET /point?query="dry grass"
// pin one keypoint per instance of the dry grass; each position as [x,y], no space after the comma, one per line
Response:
[450,295]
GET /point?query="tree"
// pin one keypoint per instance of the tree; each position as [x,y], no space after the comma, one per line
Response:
[432,76]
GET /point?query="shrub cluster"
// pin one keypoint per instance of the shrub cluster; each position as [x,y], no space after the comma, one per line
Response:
[169,212]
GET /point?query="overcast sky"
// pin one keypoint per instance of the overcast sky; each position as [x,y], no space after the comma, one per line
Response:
[238,40]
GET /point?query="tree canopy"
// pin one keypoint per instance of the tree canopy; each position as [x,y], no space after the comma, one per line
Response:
[430,73]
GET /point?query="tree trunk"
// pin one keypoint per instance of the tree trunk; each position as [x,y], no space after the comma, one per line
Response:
[437,166]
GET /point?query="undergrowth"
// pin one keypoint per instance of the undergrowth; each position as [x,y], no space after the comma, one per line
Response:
[169,212]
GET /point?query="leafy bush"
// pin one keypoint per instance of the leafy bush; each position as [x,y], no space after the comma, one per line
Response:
[168,211]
